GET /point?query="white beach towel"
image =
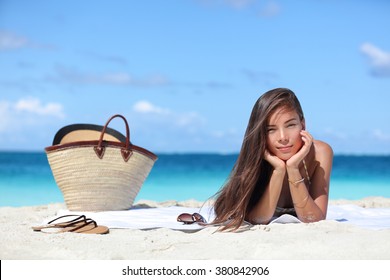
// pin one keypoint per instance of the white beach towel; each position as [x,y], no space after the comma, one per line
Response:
[165,217]
[372,218]
[146,218]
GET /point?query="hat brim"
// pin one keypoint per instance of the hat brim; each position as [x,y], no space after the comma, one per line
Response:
[86,132]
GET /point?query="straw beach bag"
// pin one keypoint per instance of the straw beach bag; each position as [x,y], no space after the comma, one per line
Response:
[97,168]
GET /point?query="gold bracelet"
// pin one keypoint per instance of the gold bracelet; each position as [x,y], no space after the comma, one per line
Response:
[297,182]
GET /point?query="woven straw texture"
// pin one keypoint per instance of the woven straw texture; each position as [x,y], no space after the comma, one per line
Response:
[89,183]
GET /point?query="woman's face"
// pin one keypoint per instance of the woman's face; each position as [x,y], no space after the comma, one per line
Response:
[283,133]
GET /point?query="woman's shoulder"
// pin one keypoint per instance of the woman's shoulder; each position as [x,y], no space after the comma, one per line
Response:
[322,149]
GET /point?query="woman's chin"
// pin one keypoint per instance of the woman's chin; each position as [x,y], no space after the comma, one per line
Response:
[284,157]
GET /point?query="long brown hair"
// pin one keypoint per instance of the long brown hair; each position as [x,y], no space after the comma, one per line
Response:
[251,172]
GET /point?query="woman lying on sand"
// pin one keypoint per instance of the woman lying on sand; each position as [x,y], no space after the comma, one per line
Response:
[280,168]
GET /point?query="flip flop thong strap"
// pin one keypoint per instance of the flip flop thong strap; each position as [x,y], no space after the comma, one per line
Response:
[78,217]
[87,222]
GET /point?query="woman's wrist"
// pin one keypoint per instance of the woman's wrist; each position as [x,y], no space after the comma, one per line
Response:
[294,176]
[280,170]
[292,169]
[296,182]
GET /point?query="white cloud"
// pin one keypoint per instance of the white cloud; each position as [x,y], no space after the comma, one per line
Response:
[146,107]
[378,59]
[105,58]
[4,115]
[73,76]
[270,9]
[227,134]
[34,106]
[157,114]
[235,4]
[380,135]
[113,78]
[239,4]
[334,134]
[24,118]
[188,119]
[267,78]
[9,41]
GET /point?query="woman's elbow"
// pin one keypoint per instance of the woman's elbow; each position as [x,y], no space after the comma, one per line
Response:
[311,217]
[260,220]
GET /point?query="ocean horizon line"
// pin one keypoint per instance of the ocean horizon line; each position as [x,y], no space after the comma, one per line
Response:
[187,153]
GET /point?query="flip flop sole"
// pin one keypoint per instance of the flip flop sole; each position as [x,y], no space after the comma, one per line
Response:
[91,229]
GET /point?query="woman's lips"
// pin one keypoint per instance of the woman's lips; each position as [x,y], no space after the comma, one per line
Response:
[285,149]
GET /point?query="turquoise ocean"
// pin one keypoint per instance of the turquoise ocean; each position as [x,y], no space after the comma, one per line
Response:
[26,178]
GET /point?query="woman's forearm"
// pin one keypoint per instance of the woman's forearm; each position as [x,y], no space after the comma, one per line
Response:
[305,207]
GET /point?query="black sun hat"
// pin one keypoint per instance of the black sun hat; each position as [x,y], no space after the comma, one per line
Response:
[86,132]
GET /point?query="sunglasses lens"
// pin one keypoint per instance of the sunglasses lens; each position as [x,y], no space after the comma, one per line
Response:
[198,218]
[185,218]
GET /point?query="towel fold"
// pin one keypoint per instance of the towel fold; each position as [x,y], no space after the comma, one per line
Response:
[165,217]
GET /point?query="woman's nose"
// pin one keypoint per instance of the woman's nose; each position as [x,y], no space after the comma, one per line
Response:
[282,136]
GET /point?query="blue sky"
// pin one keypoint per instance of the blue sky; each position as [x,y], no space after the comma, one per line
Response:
[186,73]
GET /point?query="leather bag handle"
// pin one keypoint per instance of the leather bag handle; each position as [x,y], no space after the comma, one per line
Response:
[126,151]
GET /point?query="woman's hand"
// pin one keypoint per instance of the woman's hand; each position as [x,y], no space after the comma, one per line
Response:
[296,159]
[276,162]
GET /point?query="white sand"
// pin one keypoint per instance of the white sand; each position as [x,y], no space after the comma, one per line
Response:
[322,240]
